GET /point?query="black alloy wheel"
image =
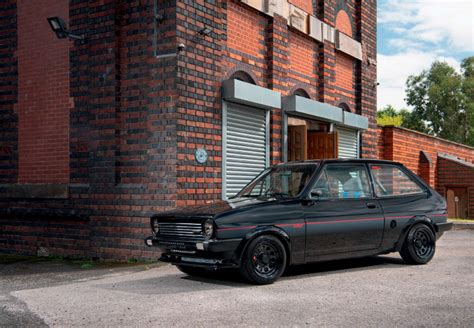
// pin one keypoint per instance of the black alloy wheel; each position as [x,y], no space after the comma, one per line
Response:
[419,246]
[264,260]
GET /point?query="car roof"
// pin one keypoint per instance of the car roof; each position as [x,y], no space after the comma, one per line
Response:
[343,160]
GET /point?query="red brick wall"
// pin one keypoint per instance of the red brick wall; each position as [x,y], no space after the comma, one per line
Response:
[8,93]
[240,56]
[452,174]
[136,119]
[366,23]
[345,83]
[302,58]
[43,87]
[243,32]
[345,77]
[343,23]
[404,146]
[306,5]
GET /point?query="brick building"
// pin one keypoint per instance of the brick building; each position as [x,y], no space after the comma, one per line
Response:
[97,135]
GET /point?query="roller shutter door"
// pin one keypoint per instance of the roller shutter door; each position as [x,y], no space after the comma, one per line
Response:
[245,146]
[348,143]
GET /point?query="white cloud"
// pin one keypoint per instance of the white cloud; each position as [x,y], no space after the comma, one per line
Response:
[420,32]
[449,22]
[393,71]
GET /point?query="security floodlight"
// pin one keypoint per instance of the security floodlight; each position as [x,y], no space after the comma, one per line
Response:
[205,31]
[59,27]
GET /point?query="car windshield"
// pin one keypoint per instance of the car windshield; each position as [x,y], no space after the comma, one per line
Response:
[283,181]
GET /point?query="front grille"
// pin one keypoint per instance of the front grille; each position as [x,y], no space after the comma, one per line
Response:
[181,231]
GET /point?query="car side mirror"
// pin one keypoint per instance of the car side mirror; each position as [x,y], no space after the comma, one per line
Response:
[316,194]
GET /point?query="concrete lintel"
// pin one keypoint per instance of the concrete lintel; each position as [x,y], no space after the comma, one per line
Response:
[348,45]
[312,109]
[298,19]
[355,121]
[316,28]
[249,94]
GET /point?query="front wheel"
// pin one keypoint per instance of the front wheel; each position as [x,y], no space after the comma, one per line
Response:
[419,246]
[264,260]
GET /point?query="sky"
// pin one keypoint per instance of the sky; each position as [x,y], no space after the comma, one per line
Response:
[413,34]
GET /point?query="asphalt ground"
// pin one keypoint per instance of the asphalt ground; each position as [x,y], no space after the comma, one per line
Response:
[377,292]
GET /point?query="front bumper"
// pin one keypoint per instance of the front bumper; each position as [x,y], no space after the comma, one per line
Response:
[211,254]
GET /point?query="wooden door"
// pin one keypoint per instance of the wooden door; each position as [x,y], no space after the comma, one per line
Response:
[322,145]
[297,143]
[457,202]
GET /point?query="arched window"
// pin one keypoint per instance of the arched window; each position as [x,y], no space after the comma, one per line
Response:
[301,93]
[243,76]
[345,107]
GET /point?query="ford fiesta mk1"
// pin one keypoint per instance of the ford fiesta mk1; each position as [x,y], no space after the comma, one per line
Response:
[304,212]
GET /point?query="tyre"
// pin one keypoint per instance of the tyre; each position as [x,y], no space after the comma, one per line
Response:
[193,271]
[264,260]
[419,246]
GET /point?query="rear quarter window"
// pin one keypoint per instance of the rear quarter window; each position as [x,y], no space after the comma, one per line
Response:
[390,180]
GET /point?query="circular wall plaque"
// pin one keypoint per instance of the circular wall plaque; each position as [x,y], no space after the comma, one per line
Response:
[201,155]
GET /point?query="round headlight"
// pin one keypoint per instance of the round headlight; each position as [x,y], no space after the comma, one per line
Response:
[155,226]
[208,228]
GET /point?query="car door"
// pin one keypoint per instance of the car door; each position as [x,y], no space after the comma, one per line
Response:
[401,198]
[344,216]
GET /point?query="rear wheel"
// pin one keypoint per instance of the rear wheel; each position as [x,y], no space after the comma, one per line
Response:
[264,260]
[419,246]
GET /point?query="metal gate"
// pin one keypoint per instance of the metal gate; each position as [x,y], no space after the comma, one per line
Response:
[245,146]
[348,143]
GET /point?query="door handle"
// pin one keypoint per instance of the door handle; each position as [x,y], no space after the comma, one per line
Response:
[371,205]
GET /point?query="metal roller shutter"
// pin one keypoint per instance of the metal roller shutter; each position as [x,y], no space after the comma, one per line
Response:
[348,143]
[245,146]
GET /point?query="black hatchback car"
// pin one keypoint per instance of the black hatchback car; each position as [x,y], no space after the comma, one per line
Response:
[303,212]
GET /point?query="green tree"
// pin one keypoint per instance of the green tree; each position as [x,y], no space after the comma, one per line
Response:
[440,100]
[404,118]
[467,68]
[389,116]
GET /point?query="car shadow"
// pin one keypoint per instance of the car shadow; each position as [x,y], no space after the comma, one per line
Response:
[232,278]
[227,279]
[331,267]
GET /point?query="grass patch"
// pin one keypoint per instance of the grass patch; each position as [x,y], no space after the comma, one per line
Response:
[82,263]
[11,258]
[87,266]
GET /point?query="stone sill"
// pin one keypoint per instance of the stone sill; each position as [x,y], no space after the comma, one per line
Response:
[34,191]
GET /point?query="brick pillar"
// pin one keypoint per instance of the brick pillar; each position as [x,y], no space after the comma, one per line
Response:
[8,93]
[278,60]
[327,56]
[199,106]
[368,26]
[43,87]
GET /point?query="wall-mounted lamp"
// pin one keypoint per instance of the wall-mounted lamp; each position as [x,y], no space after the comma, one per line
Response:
[205,31]
[59,27]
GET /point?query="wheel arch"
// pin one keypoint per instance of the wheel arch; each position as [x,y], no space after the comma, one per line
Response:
[265,230]
[419,219]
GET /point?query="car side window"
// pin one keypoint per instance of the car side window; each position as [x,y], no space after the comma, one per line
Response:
[341,182]
[390,180]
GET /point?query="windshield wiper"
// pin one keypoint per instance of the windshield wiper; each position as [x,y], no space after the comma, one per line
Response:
[278,195]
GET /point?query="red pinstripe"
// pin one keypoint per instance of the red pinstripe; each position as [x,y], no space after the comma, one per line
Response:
[300,225]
